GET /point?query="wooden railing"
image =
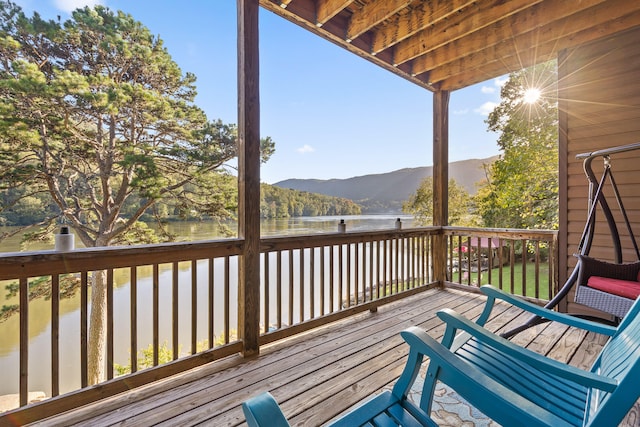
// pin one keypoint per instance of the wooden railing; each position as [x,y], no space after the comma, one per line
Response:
[311,280]
[522,262]
[148,314]
[171,307]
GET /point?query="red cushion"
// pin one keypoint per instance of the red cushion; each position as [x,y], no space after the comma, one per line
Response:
[623,288]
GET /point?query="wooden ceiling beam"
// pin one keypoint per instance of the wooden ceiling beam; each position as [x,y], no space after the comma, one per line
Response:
[424,15]
[537,45]
[373,14]
[513,31]
[479,15]
[451,44]
[525,58]
[327,9]
[302,12]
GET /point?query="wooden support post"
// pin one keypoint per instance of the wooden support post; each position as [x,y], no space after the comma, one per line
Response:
[249,176]
[562,249]
[440,181]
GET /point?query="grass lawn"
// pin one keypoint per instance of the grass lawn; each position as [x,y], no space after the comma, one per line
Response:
[516,288]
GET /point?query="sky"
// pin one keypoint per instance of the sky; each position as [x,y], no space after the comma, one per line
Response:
[331,113]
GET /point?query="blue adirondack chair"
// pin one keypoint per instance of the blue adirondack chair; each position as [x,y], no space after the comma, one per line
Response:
[510,384]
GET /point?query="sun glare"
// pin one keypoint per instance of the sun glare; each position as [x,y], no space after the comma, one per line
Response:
[531,95]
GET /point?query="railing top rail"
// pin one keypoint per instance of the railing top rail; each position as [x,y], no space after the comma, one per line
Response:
[41,263]
[317,240]
[508,233]
[31,264]
[608,151]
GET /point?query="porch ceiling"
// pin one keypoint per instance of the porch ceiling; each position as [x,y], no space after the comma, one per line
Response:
[451,44]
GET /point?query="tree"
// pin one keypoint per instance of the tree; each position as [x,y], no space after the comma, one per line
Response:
[420,203]
[522,185]
[96,117]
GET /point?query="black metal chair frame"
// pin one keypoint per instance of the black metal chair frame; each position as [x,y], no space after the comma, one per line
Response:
[596,198]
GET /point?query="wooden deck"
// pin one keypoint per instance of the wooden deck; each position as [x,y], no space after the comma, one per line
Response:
[318,375]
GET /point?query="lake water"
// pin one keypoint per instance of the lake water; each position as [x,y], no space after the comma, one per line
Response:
[39,312]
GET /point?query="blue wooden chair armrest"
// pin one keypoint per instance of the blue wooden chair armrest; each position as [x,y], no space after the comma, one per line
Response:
[457,322]
[263,411]
[494,293]
[489,396]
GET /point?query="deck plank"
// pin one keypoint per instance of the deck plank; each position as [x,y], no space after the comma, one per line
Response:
[320,374]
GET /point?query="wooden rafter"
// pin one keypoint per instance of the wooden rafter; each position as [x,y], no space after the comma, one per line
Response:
[421,17]
[327,9]
[455,43]
[516,31]
[480,15]
[373,14]
[516,56]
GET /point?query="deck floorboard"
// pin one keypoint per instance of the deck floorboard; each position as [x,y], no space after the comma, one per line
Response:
[318,375]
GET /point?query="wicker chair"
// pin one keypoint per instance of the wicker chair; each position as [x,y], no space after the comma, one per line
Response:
[608,287]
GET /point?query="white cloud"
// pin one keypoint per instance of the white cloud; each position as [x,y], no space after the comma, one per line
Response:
[487,89]
[71,5]
[500,81]
[460,112]
[306,148]
[486,108]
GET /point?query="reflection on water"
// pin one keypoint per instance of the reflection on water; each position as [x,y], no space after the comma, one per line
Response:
[40,310]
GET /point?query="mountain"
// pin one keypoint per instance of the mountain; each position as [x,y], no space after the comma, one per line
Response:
[386,192]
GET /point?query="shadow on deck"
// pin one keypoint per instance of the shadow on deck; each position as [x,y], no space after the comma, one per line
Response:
[320,374]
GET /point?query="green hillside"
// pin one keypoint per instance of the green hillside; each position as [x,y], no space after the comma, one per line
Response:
[382,193]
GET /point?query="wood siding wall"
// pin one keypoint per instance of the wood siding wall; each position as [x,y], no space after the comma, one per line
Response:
[599,91]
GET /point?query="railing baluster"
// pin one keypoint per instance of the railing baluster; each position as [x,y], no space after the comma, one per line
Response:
[301,285]
[524,266]
[279,288]
[403,262]
[460,259]
[312,274]
[412,262]
[322,279]
[194,306]
[84,321]
[227,288]
[110,325]
[348,265]
[501,260]
[212,301]
[331,278]
[24,340]
[479,261]
[379,281]
[133,316]
[175,316]
[356,272]
[340,277]
[156,314]
[512,264]
[395,274]
[265,296]
[385,267]
[420,261]
[290,282]
[537,269]
[489,259]
[55,335]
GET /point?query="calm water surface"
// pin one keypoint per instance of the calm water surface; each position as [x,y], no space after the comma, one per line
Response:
[39,311]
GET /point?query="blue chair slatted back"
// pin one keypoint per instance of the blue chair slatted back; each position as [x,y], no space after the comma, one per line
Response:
[619,360]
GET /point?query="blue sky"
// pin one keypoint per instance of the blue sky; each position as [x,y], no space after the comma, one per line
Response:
[331,113]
